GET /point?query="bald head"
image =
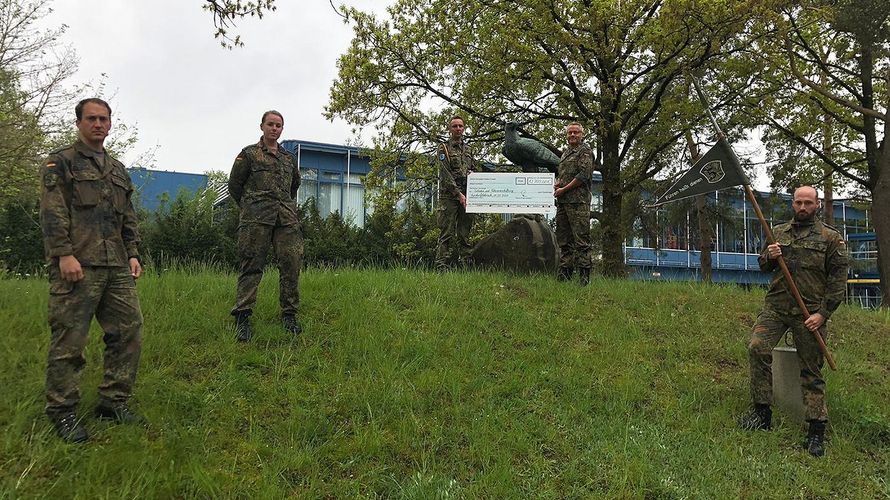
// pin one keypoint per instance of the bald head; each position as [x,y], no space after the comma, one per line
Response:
[806,191]
[805,203]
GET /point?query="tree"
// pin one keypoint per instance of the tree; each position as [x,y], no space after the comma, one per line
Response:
[226,13]
[614,66]
[838,56]
[33,70]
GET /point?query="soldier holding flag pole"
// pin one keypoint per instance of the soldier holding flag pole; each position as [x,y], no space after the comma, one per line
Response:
[818,256]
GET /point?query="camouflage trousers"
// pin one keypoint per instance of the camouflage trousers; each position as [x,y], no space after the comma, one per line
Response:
[254,241]
[109,294]
[573,235]
[454,233]
[767,332]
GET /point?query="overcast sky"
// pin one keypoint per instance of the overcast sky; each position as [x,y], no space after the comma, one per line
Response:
[200,103]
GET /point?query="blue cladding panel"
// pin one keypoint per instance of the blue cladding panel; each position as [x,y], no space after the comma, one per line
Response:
[151,185]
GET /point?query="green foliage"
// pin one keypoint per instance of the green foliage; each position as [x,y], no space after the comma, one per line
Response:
[185,231]
[329,241]
[20,141]
[414,234]
[617,67]
[226,13]
[409,384]
[34,94]
[21,242]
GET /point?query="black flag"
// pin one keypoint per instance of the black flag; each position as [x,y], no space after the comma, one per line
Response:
[718,169]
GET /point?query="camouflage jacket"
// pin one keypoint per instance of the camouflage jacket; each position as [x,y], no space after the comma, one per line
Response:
[576,163]
[455,163]
[264,184]
[816,255]
[86,208]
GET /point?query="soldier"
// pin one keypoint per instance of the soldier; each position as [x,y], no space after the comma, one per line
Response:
[572,193]
[455,163]
[264,183]
[90,237]
[816,255]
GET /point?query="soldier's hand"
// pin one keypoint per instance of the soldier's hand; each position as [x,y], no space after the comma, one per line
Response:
[70,268]
[814,322]
[135,268]
[773,251]
[463,200]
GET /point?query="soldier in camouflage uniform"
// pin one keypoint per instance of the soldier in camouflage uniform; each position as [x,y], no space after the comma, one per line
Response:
[264,183]
[455,163]
[90,237]
[816,255]
[572,193]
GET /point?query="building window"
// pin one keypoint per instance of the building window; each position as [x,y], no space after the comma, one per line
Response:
[330,190]
[732,233]
[308,185]
[355,201]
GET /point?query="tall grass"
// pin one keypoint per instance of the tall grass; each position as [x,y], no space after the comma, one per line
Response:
[411,384]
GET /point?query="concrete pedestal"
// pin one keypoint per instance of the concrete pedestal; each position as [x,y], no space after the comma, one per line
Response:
[787,395]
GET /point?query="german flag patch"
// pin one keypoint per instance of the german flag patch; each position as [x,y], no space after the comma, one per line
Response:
[50,164]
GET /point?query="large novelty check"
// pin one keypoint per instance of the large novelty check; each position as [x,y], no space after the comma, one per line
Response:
[518,193]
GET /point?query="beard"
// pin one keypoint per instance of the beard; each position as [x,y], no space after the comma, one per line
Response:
[804,216]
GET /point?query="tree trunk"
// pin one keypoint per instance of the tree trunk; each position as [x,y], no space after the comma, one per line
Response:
[880,211]
[706,237]
[611,221]
[704,227]
[828,150]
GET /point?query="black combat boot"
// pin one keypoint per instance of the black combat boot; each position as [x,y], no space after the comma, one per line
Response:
[584,276]
[243,331]
[69,428]
[119,413]
[291,324]
[564,274]
[816,438]
[760,418]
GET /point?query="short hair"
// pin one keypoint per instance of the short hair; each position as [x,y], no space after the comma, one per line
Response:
[575,124]
[271,112]
[78,110]
[456,117]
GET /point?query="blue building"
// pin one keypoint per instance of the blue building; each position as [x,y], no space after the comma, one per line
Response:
[153,186]
[333,176]
[864,283]
[739,237]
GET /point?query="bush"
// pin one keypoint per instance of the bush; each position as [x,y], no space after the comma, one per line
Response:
[21,241]
[190,230]
[329,241]
[186,231]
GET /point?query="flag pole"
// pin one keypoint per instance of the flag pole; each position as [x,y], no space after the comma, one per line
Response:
[768,231]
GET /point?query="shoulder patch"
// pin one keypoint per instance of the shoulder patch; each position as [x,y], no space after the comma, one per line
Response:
[50,179]
[829,226]
[50,164]
[441,156]
[61,149]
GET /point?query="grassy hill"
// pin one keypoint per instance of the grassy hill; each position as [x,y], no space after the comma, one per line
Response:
[410,384]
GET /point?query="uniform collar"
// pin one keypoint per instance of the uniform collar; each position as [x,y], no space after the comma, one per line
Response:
[103,163]
[456,142]
[262,146]
[85,150]
[806,227]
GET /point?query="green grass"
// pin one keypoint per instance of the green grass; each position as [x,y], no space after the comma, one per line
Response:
[409,384]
